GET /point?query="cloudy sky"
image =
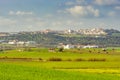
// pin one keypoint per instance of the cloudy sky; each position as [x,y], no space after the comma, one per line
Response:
[35,15]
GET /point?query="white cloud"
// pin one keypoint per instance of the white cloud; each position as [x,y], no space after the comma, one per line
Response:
[112,13]
[80,1]
[69,3]
[93,11]
[97,2]
[66,24]
[74,23]
[20,13]
[117,7]
[106,2]
[83,11]
[77,10]
[21,24]
[7,21]
[76,2]
[56,23]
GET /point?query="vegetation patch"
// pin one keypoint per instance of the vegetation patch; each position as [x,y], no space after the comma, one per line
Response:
[16,59]
[18,72]
[54,59]
[80,59]
[96,59]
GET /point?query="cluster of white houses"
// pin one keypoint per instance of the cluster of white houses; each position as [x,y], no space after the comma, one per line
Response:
[70,46]
[16,42]
[94,31]
[61,45]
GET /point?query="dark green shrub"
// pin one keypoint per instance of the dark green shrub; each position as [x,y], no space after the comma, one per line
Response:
[79,59]
[54,59]
[40,59]
[68,60]
[95,59]
[60,49]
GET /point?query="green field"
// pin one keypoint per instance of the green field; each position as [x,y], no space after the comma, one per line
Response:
[74,64]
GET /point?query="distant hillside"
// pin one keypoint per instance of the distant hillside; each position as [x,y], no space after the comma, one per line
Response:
[52,39]
[113,32]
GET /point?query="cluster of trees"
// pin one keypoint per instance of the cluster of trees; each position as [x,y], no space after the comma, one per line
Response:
[51,39]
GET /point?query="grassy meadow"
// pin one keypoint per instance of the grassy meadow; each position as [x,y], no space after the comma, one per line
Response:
[73,64]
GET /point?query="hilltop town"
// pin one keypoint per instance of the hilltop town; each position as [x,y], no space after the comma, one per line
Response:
[94,31]
[85,38]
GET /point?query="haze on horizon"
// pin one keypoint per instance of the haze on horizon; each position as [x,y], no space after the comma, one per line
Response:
[34,15]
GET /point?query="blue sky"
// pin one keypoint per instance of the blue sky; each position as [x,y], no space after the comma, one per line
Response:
[35,15]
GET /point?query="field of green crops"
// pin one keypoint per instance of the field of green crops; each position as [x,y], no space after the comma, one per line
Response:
[74,64]
[20,72]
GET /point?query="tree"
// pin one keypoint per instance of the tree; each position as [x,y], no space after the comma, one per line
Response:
[60,49]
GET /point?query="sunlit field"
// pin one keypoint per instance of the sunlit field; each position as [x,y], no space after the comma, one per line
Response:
[73,64]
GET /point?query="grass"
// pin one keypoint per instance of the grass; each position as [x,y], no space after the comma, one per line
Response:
[74,64]
[67,54]
[70,65]
[18,72]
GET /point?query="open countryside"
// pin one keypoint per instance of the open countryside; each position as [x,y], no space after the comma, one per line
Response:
[44,64]
[59,39]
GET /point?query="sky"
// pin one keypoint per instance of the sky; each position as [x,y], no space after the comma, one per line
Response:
[35,15]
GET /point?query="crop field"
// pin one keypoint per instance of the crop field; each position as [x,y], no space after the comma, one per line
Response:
[52,64]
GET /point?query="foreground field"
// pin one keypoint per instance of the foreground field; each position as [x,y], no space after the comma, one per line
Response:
[19,72]
[109,55]
[36,64]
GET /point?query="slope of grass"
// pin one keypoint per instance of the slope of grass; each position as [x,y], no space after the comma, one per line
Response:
[70,65]
[18,72]
[60,70]
[72,54]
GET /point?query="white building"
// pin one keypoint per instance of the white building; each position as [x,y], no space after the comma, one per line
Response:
[68,46]
[28,43]
[91,46]
[12,42]
[20,42]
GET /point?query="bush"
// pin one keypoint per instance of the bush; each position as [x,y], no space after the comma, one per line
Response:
[54,59]
[27,49]
[79,59]
[95,59]
[68,60]
[60,49]
[40,59]
[1,50]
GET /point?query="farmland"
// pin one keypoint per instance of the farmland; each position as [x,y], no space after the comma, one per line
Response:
[73,64]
